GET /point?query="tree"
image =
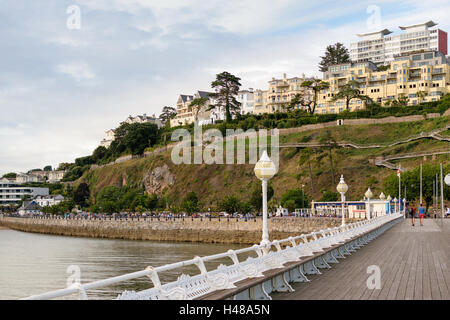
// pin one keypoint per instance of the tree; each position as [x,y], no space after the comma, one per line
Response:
[334,54]
[421,95]
[167,114]
[411,179]
[227,88]
[330,143]
[315,86]
[81,194]
[230,204]
[197,105]
[99,154]
[305,156]
[348,92]
[190,203]
[329,196]
[10,175]
[48,168]
[293,199]
[140,136]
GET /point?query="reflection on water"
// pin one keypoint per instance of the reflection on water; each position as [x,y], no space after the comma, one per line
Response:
[35,263]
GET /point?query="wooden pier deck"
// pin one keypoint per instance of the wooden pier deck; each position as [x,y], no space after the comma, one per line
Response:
[414,264]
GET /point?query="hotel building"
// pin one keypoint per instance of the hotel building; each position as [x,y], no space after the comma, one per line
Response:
[382,48]
[279,94]
[186,114]
[246,99]
[427,71]
[12,192]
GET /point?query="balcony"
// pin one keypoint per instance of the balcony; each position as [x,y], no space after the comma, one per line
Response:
[438,71]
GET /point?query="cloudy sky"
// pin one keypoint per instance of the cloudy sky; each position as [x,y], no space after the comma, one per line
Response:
[61,88]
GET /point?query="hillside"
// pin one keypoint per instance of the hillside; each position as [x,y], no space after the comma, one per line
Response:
[213,182]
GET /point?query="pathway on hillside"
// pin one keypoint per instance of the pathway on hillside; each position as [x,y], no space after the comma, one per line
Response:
[414,264]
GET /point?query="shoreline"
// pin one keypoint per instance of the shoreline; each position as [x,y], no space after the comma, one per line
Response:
[227,232]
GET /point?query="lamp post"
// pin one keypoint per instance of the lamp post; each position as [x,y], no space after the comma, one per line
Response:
[369,195]
[342,188]
[303,196]
[395,204]
[265,169]
[389,198]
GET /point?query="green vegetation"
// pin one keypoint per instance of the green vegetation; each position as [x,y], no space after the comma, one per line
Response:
[334,54]
[411,179]
[10,175]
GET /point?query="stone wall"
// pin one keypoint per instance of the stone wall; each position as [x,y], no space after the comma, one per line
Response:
[223,231]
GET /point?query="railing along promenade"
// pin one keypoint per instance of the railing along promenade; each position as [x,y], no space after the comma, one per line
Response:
[266,269]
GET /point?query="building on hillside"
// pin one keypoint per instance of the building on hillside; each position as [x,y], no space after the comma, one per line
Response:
[13,192]
[48,200]
[29,208]
[110,136]
[143,119]
[29,177]
[279,94]
[382,47]
[187,114]
[55,175]
[426,72]
[246,99]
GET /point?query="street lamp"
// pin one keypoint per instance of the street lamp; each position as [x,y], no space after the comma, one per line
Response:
[342,188]
[389,198]
[303,196]
[369,195]
[382,196]
[265,169]
[395,204]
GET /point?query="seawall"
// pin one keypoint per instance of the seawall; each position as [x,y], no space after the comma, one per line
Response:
[197,230]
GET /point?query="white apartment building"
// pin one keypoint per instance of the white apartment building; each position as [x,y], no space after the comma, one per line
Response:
[246,98]
[27,178]
[382,47]
[110,136]
[48,201]
[12,192]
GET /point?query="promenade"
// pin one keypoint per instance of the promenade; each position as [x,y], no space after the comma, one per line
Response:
[414,264]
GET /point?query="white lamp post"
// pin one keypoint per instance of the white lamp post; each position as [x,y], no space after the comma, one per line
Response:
[342,188]
[395,204]
[382,196]
[369,195]
[389,198]
[265,169]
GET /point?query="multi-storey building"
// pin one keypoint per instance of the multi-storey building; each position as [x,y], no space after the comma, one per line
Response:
[246,99]
[382,47]
[427,72]
[279,94]
[48,201]
[12,192]
[110,136]
[187,114]
[27,178]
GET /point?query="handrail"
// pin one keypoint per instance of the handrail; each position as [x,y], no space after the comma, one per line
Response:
[312,238]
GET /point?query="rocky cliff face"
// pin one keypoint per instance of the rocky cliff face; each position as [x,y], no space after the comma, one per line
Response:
[158,179]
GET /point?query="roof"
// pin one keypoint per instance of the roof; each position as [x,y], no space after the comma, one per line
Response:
[428,24]
[185,97]
[30,205]
[384,32]
[204,94]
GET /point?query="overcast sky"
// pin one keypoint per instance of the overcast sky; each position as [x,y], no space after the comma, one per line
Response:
[61,88]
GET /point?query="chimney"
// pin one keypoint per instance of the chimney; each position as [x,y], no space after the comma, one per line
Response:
[284,76]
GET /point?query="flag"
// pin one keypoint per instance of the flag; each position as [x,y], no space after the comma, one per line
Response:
[399,172]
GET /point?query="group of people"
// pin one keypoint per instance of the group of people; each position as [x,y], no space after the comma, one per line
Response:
[413,213]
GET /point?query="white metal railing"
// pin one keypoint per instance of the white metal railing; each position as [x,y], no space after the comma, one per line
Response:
[225,276]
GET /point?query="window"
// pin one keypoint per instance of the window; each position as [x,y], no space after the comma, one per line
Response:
[428,56]
[417,57]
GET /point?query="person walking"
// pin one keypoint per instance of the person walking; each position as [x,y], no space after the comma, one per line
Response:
[412,211]
[421,214]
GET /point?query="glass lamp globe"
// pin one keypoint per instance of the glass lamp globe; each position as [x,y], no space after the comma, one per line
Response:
[342,187]
[265,168]
[369,194]
[395,199]
[382,196]
[389,198]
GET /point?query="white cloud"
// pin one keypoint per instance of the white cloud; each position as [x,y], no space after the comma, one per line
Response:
[67,41]
[79,70]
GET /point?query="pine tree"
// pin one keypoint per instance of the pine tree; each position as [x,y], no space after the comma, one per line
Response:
[334,54]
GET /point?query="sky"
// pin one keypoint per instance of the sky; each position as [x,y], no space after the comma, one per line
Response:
[64,81]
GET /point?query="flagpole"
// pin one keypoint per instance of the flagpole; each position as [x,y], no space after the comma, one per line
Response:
[420,183]
[399,173]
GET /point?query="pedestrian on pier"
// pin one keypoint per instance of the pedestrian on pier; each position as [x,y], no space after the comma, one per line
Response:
[421,214]
[411,214]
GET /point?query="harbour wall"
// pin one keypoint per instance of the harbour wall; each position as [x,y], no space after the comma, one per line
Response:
[196,230]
